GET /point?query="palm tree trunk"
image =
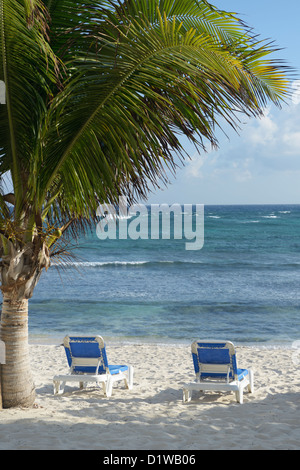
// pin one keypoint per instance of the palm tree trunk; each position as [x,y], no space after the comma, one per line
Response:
[17,383]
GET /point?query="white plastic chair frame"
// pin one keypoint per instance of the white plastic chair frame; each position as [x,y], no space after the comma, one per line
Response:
[106,379]
[218,377]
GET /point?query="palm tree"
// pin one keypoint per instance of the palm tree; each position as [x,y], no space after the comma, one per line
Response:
[98,94]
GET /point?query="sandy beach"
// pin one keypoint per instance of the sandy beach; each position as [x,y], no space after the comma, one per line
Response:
[152,415]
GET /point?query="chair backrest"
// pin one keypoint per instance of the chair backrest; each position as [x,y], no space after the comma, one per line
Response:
[86,354]
[214,359]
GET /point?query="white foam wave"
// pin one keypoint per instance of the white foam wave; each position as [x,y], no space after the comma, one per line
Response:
[250,222]
[96,264]
[107,263]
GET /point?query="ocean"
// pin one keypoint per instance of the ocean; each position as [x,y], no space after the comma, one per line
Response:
[243,285]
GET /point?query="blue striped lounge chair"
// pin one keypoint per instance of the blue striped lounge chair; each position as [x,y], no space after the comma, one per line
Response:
[216,369]
[87,361]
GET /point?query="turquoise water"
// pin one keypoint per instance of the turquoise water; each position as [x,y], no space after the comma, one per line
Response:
[243,285]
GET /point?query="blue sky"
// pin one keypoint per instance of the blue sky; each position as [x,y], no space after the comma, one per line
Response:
[261,165]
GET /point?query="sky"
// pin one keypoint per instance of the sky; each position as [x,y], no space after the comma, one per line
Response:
[260,164]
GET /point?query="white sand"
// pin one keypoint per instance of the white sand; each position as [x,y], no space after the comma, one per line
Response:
[152,415]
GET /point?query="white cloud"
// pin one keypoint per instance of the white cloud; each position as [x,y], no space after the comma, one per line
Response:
[296,92]
[239,169]
[194,167]
[292,143]
[263,131]
[272,141]
[261,164]
[264,146]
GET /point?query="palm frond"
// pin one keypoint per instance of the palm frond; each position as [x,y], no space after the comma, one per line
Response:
[152,71]
[137,75]
[27,66]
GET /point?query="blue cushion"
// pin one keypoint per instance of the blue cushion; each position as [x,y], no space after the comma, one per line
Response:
[116,369]
[242,373]
[92,370]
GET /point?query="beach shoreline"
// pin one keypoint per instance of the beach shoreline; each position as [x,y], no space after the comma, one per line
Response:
[57,340]
[152,416]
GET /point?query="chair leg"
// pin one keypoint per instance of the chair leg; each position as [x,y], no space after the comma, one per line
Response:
[57,389]
[129,378]
[251,380]
[239,395]
[187,395]
[104,387]
[109,385]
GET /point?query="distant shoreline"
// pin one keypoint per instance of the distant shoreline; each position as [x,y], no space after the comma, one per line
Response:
[57,341]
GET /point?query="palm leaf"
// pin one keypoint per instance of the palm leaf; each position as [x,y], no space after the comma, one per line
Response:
[141,83]
[27,66]
[137,76]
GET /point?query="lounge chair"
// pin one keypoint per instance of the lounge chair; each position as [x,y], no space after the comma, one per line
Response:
[87,360]
[216,369]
